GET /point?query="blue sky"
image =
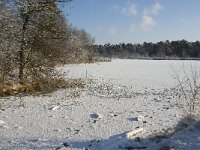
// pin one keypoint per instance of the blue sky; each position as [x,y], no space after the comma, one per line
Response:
[136,21]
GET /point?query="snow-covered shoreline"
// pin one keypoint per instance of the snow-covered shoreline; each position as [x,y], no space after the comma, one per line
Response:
[98,116]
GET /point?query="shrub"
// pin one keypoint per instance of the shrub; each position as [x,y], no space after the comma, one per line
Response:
[189,87]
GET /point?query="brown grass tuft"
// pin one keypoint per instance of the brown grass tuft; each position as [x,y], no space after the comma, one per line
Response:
[23,88]
[8,90]
[39,85]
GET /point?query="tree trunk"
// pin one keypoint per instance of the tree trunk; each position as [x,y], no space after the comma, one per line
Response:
[23,46]
[21,64]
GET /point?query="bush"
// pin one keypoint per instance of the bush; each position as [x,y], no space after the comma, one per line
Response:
[189,87]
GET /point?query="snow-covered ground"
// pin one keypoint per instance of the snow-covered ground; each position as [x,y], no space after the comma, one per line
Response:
[99,116]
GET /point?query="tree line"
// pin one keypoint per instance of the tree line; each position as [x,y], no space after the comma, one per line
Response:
[35,36]
[162,50]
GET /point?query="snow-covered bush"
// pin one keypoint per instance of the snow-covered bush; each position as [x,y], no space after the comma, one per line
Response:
[188,80]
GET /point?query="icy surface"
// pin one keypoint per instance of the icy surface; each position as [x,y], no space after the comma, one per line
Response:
[116,94]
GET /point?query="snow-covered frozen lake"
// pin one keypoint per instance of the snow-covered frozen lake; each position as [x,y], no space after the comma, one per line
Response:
[116,93]
[140,74]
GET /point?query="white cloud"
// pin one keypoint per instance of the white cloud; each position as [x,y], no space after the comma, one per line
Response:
[130,10]
[113,31]
[133,28]
[147,22]
[146,11]
[156,8]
